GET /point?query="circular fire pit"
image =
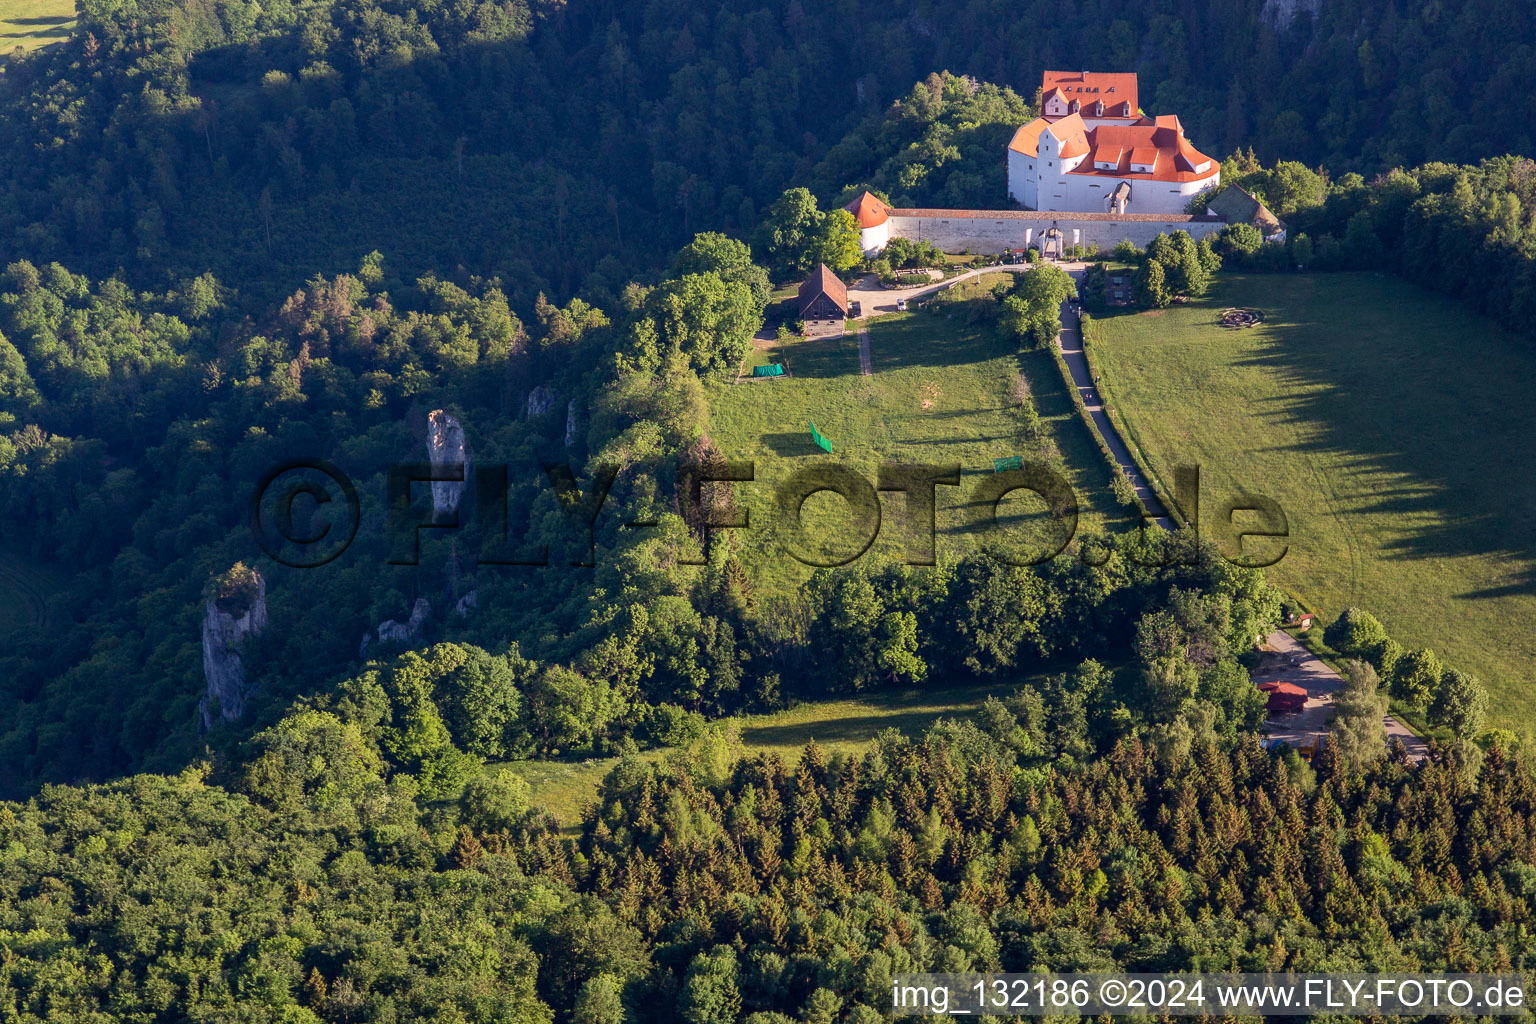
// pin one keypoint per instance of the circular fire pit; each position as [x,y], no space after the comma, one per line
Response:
[1238,318]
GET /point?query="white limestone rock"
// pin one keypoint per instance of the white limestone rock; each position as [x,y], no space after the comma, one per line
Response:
[236,612]
[541,400]
[391,631]
[447,448]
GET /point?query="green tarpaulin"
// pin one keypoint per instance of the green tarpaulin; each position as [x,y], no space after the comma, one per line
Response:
[768,370]
[821,442]
[1011,462]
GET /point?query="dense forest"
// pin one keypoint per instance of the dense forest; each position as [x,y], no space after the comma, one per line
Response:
[237,234]
[315,887]
[269,196]
[562,145]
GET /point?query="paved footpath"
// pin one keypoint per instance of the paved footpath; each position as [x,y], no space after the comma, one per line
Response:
[1291,662]
[874,298]
[1070,342]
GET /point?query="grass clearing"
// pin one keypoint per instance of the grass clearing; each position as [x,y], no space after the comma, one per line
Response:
[30,24]
[1391,425]
[940,393]
[565,788]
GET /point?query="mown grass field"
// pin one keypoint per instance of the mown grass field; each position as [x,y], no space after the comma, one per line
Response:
[33,23]
[1392,426]
[565,788]
[940,393]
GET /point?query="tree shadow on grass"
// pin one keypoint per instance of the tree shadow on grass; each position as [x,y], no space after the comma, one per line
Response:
[791,444]
[1412,389]
[926,340]
[855,729]
[821,358]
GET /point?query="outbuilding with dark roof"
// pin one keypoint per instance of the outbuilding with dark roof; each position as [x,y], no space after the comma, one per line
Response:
[1236,205]
[823,296]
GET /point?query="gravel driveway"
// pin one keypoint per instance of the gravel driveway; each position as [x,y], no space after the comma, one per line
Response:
[1290,662]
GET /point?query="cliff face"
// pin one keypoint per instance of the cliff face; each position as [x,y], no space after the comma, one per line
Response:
[226,624]
[541,400]
[391,631]
[1280,13]
[446,448]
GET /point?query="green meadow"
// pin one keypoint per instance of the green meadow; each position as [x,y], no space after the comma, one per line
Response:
[565,788]
[1392,426]
[30,24]
[942,392]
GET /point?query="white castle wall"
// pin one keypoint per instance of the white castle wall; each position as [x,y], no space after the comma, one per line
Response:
[992,231]
[1023,183]
[1046,183]
[1090,193]
[872,240]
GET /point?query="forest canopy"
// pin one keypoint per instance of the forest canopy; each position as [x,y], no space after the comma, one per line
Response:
[237,234]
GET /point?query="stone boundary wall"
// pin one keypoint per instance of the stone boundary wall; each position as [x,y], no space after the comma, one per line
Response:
[992,231]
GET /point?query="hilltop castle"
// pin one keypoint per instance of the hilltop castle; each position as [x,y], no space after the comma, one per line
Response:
[1092,150]
[1092,169]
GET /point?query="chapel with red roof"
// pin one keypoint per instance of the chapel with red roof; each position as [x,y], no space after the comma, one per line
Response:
[1093,150]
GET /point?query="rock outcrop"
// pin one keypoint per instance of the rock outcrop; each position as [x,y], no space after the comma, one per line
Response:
[391,631]
[446,449]
[466,604]
[235,610]
[1280,13]
[570,423]
[541,400]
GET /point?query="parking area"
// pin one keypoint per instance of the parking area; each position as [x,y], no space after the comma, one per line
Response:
[1287,661]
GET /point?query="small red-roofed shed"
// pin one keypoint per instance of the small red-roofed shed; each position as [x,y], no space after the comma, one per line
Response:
[1284,698]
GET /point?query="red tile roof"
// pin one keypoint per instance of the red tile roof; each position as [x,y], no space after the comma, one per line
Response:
[1073,134]
[823,281]
[1113,88]
[1070,130]
[1160,146]
[1027,139]
[868,211]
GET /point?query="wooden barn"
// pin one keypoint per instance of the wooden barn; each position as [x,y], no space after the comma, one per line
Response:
[823,296]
